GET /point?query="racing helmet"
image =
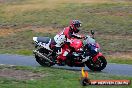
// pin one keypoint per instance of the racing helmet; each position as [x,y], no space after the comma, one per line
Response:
[75,25]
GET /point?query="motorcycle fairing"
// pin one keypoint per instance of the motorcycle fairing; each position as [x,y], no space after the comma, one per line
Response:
[76,44]
[65,51]
[96,56]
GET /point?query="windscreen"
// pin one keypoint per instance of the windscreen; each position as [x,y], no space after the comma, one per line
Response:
[90,40]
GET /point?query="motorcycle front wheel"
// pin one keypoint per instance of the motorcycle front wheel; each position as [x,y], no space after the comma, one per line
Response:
[99,65]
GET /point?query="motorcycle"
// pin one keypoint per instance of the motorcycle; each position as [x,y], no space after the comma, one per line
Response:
[81,53]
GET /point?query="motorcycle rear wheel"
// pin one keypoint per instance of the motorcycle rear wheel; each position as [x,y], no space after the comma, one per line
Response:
[99,65]
[40,60]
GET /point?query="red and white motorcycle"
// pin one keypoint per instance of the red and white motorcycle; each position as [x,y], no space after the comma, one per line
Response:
[81,53]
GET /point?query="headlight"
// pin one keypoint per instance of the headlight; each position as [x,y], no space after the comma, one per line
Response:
[96,49]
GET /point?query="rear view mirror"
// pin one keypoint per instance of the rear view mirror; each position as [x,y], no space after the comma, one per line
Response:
[92,32]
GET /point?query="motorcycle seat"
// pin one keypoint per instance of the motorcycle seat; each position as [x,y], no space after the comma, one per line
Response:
[43,39]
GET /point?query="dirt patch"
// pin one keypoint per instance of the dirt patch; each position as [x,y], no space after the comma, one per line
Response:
[12,31]
[122,14]
[6,32]
[114,13]
[45,30]
[121,55]
[9,31]
[127,37]
[20,74]
[121,0]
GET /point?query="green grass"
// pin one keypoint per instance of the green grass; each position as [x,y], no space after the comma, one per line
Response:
[20,43]
[119,60]
[56,78]
[103,17]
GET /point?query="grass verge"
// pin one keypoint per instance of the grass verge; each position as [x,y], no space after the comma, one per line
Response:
[56,78]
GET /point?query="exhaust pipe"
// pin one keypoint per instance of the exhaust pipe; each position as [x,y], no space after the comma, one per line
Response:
[41,55]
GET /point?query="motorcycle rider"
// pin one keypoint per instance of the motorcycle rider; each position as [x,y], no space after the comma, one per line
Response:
[65,37]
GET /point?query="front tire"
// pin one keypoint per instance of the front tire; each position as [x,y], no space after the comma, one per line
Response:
[99,65]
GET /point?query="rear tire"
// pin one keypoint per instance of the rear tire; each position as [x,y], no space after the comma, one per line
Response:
[40,60]
[99,65]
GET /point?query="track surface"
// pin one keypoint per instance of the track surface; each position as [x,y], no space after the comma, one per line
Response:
[19,60]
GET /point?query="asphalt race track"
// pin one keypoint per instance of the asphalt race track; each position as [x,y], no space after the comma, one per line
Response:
[19,60]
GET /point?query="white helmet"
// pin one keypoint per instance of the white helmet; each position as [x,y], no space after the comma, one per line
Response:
[60,39]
